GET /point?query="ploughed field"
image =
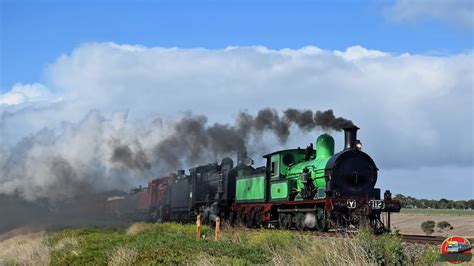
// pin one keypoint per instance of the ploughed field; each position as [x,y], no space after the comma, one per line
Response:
[408,221]
[170,243]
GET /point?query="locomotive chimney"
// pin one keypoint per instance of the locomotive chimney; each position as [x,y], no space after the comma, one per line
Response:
[350,137]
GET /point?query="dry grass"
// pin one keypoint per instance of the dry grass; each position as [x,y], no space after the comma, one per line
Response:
[204,260]
[123,256]
[68,246]
[26,249]
[138,228]
[315,251]
[66,243]
[292,248]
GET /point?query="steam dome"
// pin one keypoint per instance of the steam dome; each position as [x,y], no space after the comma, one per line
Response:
[324,146]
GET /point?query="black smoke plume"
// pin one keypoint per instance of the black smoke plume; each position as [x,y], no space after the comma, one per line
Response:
[124,156]
[193,139]
[99,154]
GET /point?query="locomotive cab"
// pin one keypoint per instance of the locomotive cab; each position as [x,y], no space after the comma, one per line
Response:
[281,184]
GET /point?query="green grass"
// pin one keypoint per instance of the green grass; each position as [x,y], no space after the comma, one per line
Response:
[176,244]
[170,243]
[166,243]
[438,212]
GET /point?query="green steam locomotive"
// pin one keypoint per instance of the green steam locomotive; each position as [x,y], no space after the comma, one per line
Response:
[308,188]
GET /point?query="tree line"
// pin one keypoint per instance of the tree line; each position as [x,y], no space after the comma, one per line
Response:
[411,202]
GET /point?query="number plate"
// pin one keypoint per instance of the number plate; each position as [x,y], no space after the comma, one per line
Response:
[351,204]
[377,204]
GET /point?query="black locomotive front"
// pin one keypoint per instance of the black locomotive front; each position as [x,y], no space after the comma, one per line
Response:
[351,172]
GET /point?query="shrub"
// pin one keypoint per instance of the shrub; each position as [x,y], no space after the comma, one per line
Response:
[428,227]
[419,254]
[382,250]
[444,225]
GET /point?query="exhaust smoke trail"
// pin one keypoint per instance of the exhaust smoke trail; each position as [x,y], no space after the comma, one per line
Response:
[99,154]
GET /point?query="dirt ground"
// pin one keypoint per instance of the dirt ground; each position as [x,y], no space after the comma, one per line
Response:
[411,224]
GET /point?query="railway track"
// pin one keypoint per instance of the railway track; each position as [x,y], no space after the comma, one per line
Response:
[405,238]
[437,240]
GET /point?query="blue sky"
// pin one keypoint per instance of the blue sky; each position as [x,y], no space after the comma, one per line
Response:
[35,33]
[76,76]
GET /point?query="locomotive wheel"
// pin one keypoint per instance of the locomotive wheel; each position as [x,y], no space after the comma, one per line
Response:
[284,220]
[299,221]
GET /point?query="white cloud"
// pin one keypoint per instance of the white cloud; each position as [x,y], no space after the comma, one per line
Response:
[358,52]
[26,93]
[415,111]
[458,12]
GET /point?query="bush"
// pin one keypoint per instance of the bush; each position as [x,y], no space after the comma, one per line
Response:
[444,225]
[428,227]
[419,254]
[382,250]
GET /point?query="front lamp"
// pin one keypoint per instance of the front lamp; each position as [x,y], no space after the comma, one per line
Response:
[358,144]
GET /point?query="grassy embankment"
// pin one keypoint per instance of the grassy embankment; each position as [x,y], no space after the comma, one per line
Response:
[171,243]
[448,212]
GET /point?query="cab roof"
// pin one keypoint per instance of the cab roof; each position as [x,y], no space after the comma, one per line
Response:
[280,151]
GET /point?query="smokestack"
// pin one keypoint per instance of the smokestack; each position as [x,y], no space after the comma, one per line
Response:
[350,137]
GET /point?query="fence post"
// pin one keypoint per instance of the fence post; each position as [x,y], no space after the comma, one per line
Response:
[218,228]
[198,225]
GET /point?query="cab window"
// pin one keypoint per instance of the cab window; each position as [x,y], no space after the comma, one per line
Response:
[274,169]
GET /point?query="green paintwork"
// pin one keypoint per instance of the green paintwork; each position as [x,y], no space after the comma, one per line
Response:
[316,169]
[324,146]
[279,190]
[316,165]
[275,166]
[250,188]
[285,169]
[296,154]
